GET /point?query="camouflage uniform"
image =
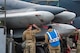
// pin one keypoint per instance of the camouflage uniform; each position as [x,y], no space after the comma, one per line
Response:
[29,38]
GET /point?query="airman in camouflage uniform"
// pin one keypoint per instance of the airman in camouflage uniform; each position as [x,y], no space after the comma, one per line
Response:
[29,38]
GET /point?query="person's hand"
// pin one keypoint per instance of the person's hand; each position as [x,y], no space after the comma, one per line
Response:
[34,25]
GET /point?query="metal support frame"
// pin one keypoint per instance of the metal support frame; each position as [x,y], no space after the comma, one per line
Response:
[11,41]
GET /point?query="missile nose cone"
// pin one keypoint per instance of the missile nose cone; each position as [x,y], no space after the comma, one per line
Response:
[64,17]
[46,16]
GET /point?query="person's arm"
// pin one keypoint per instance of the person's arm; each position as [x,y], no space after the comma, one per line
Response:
[46,38]
[68,47]
[23,36]
[37,28]
[59,35]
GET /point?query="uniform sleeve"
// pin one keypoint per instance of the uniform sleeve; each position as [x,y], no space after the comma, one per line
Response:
[23,36]
[37,30]
[59,36]
[46,38]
